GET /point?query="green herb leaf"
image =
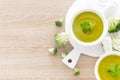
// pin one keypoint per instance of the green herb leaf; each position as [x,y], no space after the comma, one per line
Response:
[114,70]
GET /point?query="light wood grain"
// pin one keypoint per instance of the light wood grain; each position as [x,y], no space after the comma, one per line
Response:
[27,31]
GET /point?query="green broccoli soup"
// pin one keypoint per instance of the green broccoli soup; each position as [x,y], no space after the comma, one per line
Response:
[87,26]
[109,68]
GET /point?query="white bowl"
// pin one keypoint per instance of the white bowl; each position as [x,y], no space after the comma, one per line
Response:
[105,27]
[100,59]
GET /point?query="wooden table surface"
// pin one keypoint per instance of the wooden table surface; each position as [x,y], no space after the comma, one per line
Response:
[27,31]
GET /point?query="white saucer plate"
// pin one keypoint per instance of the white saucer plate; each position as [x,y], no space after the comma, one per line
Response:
[94,51]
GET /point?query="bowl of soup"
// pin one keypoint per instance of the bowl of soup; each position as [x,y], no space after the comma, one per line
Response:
[107,66]
[89,27]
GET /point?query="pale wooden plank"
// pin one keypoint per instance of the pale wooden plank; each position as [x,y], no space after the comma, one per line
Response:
[27,31]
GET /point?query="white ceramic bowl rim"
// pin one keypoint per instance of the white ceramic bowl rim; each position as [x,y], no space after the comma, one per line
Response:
[101,58]
[105,24]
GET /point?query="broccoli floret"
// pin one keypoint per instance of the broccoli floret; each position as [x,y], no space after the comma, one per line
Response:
[61,38]
[59,22]
[114,27]
[76,72]
[64,54]
[87,26]
[53,51]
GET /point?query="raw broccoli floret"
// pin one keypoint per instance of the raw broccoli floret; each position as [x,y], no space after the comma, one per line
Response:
[61,38]
[64,54]
[114,27]
[53,51]
[59,22]
[76,72]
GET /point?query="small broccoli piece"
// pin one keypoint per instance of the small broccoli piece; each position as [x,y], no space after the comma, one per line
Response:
[86,26]
[76,72]
[114,27]
[64,54]
[61,38]
[59,22]
[53,51]
[114,70]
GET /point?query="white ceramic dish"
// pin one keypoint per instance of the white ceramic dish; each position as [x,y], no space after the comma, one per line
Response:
[105,28]
[93,51]
[100,59]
